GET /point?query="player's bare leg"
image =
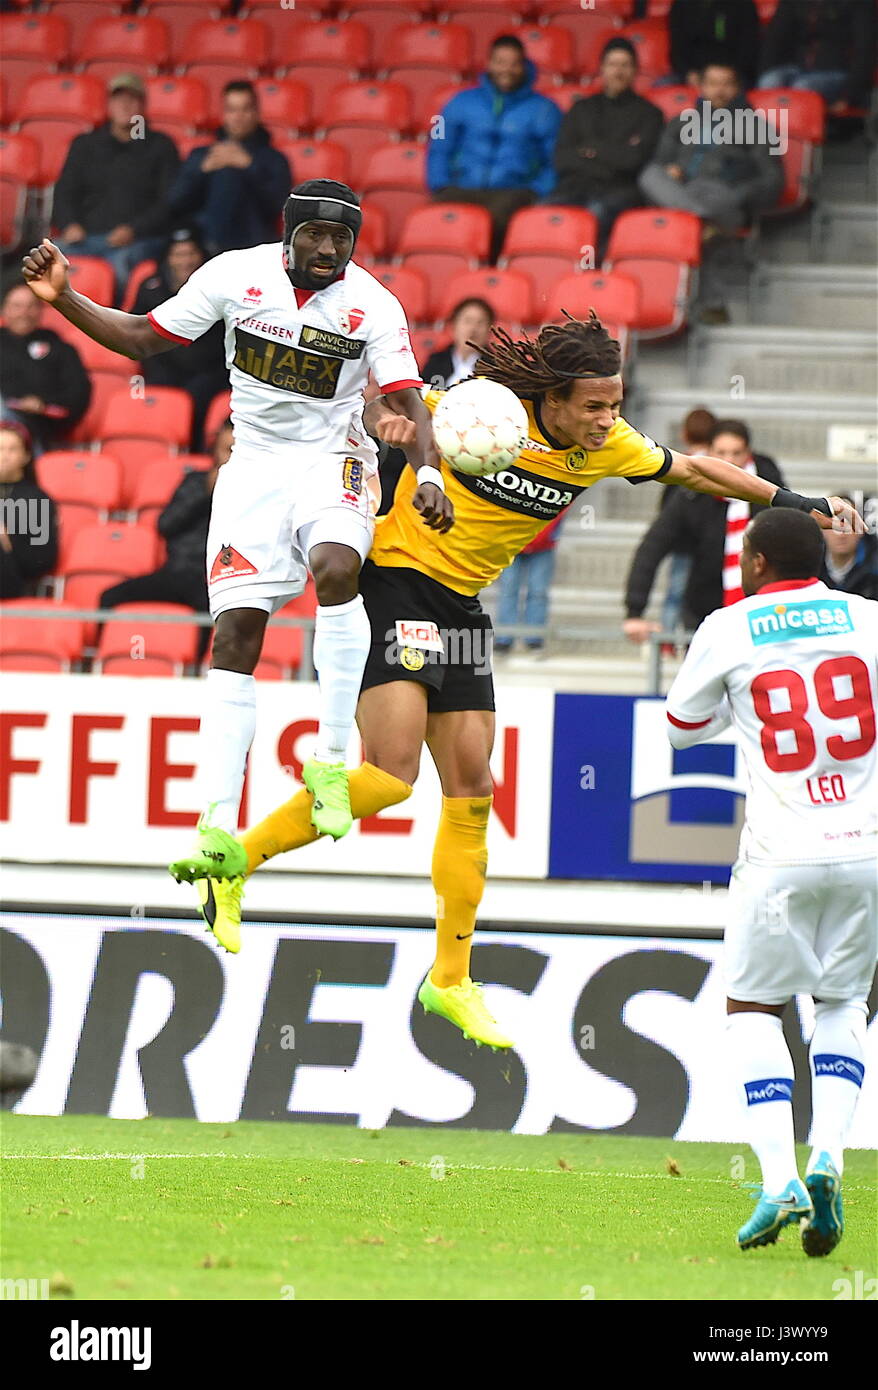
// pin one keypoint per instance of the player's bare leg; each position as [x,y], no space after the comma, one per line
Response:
[228,724]
[342,636]
[762,1065]
[460,744]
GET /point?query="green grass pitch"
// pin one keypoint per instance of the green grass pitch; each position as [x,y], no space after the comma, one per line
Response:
[174,1209]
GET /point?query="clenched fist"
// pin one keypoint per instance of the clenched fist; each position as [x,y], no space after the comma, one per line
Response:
[45,270]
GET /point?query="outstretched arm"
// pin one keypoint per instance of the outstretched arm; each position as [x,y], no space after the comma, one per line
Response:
[400,418]
[702,473]
[45,270]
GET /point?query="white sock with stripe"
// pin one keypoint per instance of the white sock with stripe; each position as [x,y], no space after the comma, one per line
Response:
[342,636]
[837,1053]
[228,723]
[763,1071]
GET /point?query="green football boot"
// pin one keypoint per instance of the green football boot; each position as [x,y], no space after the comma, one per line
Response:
[328,784]
[464,1006]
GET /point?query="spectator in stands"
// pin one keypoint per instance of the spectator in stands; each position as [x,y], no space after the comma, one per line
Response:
[696,434]
[233,189]
[716,169]
[524,589]
[471,322]
[183,526]
[605,140]
[825,46]
[199,367]
[851,561]
[493,143]
[703,29]
[42,380]
[710,529]
[28,521]
[111,196]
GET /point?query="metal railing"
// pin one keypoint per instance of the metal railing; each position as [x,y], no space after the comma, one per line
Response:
[554,631]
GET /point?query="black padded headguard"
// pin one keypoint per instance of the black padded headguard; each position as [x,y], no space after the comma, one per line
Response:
[319,200]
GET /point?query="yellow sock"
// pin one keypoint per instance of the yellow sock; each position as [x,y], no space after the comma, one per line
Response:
[460,861]
[289,827]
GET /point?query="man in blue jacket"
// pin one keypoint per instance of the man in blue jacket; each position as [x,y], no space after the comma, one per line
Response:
[493,143]
[232,189]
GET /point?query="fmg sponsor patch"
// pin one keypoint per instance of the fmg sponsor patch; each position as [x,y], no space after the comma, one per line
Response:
[781,622]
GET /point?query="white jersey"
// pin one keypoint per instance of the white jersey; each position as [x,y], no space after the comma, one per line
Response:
[298,360]
[795,668]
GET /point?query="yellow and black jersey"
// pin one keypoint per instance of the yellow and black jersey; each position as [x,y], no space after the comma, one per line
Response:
[497,516]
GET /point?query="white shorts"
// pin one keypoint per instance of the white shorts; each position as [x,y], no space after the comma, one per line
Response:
[802,929]
[268,512]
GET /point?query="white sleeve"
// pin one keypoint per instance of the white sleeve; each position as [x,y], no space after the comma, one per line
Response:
[697,705]
[196,308]
[389,351]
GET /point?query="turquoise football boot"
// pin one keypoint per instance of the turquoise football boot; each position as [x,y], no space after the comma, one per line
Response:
[773,1213]
[826,1227]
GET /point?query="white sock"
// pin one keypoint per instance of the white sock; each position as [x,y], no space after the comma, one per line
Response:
[342,636]
[837,1052]
[228,724]
[763,1071]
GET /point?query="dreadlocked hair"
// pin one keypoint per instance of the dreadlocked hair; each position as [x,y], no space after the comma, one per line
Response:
[560,353]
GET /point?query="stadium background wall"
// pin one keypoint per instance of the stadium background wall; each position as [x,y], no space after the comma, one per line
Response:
[615,1033]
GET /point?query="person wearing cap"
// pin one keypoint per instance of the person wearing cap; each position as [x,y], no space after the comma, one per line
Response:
[231,190]
[111,195]
[304,327]
[28,518]
[200,367]
[605,140]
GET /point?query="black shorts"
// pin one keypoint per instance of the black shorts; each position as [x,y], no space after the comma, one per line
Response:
[408,611]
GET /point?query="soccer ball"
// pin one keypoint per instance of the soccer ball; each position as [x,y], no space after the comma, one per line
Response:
[480,427]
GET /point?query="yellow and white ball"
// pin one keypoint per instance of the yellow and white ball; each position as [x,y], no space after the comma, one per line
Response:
[480,427]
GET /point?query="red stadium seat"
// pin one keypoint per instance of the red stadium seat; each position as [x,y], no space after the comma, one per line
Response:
[141,272]
[159,479]
[101,556]
[285,105]
[410,287]
[380,106]
[217,414]
[79,14]
[84,479]
[563,96]
[542,271]
[394,206]
[93,356]
[136,648]
[103,386]
[382,20]
[215,76]
[437,266]
[180,15]
[652,45]
[18,73]
[551,230]
[53,137]
[64,96]
[509,293]
[616,9]
[316,159]
[659,248]
[444,46]
[326,43]
[614,297]
[486,21]
[398,164]
[590,31]
[448,227]
[426,341]
[72,518]
[19,158]
[5,110]
[128,39]
[805,111]
[13,202]
[243,42]
[549,46]
[161,412]
[42,36]
[376,227]
[177,101]
[91,276]
[671,101]
[47,643]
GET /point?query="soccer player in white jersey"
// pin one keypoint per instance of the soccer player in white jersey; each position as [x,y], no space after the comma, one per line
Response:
[794,666]
[304,327]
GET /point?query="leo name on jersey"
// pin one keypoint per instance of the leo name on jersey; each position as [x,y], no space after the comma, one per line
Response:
[298,359]
[798,663]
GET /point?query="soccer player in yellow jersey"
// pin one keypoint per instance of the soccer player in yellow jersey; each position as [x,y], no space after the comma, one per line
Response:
[568,380]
